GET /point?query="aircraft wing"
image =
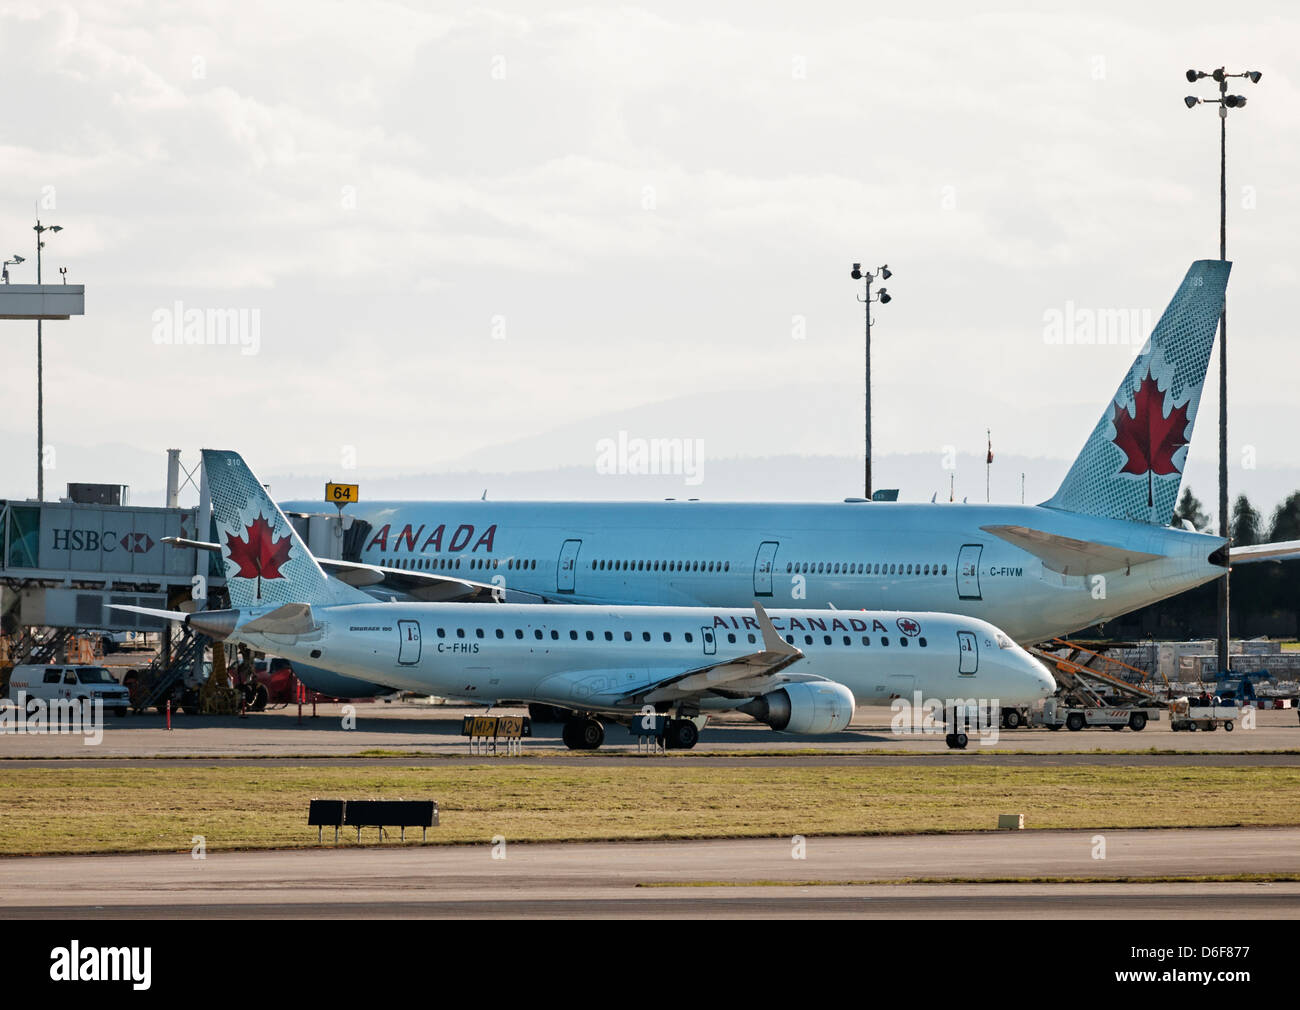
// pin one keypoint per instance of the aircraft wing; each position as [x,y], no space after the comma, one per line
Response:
[1068,555]
[428,587]
[740,677]
[1283,550]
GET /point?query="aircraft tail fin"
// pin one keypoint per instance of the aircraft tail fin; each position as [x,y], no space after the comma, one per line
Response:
[1132,464]
[266,561]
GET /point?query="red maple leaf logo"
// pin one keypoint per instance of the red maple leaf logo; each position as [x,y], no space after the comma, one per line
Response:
[261,556]
[1148,438]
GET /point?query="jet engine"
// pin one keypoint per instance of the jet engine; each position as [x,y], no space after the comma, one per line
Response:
[812,706]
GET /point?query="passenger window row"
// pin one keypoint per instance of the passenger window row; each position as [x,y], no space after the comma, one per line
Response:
[442,564]
[660,566]
[608,636]
[861,568]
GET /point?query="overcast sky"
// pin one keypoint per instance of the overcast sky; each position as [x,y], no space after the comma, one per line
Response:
[467,228]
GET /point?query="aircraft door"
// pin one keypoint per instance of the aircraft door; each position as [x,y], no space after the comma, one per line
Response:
[968,572]
[710,641]
[969,651]
[764,561]
[567,567]
[408,647]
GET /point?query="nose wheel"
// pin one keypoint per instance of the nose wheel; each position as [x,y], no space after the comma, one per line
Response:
[956,741]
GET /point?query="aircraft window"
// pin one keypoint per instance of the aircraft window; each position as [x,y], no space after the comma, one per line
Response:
[442,633]
[731,638]
[847,640]
[573,635]
[893,569]
[827,639]
[726,566]
[945,570]
[555,635]
[519,632]
[790,639]
[645,636]
[537,633]
[836,570]
[922,642]
[627,636]
[478,632]
[689,637]
[807,639]
[591,636]
[668,637]
[884,640]
[609,636]
[909,569]
[752,639]
[787,568]
[903,641]
[460,632]
[927,570]
[593,566]
[501,633]
[866,640]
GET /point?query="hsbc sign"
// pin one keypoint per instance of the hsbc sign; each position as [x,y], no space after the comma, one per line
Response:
[106,541]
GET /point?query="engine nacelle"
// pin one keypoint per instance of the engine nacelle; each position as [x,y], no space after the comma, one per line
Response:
[813,706]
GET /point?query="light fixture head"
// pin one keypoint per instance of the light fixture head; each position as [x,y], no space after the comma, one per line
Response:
[1193,76]
[1192,101]
[857,272]
[886,273]
[1218,75]
[1234,101]
[1254,76]
[885,297]
[18,259]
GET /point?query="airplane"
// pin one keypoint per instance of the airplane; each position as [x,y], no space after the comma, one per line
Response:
[798,671]
[1100,547]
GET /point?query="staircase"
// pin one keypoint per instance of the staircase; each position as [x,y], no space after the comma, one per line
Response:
[161,679]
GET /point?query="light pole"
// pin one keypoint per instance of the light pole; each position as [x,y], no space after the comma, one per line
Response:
[40,230]
[882,296]
[1225,102]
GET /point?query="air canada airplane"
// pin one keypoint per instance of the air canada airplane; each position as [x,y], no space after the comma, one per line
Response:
[798,671]
[1100,547]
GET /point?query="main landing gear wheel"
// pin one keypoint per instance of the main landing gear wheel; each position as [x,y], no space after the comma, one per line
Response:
[681,734]
[583,734]
[957,741]
[1011,718]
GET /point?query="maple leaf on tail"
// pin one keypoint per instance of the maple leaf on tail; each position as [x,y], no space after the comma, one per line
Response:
[261,555]
[1148,438]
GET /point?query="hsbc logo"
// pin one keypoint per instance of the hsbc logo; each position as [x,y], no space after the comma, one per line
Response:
[108,541]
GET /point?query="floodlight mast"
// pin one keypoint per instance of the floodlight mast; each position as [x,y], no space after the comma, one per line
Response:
[884,298]
[1224,102]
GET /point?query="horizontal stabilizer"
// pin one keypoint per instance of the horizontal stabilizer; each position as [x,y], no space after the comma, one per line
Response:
[1283,550]
[166,615]
[1067,555]
[289,619]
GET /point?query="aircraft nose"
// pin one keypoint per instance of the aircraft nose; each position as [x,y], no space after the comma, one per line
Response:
[1046,682]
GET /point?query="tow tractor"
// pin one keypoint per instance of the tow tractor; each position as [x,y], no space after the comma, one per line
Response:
[1187,714]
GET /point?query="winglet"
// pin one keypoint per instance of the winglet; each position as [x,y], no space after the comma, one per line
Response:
[772,641]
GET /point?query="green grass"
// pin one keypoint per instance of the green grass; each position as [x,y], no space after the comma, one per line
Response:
[1201,878]
[88,809]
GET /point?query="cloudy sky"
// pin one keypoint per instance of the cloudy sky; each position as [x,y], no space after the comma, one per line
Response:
[482,239]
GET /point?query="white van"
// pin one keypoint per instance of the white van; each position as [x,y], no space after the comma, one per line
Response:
[48,683]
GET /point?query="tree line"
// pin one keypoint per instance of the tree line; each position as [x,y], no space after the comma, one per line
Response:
[1265,595]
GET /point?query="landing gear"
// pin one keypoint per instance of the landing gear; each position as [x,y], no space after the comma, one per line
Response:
[681,734]
[583,734]
[956,741]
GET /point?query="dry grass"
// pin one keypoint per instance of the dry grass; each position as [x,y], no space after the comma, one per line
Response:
[48,810]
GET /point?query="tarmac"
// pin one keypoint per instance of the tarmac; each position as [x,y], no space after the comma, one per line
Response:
[384,729]
[687,879]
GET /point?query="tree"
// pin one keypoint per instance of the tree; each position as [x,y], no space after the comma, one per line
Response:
[1190,508]
[1286,520]
[1245,523]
